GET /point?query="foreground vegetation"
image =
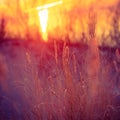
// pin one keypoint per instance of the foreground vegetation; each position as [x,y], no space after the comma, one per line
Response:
[59,81]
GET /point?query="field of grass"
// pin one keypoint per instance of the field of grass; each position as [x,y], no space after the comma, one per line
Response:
[59,81]
[75,75]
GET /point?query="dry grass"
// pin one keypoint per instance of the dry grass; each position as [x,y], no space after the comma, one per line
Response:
[74,88]
[60,82]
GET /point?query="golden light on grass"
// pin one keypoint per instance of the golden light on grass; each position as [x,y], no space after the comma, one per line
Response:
[43,18]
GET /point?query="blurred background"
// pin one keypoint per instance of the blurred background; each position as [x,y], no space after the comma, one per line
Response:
[59,60]
[24,18]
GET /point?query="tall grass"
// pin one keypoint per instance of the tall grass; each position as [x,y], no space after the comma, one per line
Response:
[60,82]
[73,85]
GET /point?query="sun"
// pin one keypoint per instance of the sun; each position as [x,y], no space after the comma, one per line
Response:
[43,18]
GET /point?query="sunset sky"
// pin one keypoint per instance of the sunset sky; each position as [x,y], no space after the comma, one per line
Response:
[69,14]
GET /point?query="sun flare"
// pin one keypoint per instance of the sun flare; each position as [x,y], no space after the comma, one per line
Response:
[43,18]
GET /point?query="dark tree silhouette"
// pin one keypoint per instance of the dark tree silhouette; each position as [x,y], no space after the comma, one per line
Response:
[2,29]
[115,32]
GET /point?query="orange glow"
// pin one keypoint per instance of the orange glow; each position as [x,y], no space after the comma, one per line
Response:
[43,17]
[67,17]
[49,5]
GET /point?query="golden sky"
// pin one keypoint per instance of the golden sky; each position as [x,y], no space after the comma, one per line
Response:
[70,14]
